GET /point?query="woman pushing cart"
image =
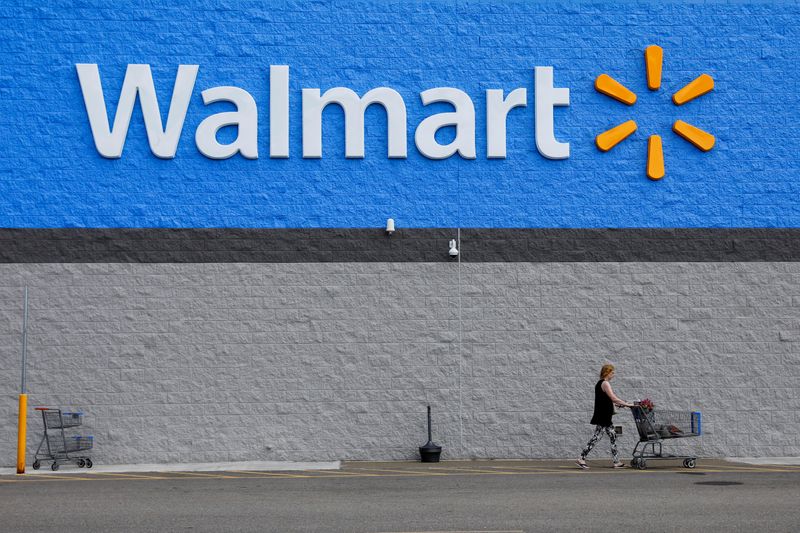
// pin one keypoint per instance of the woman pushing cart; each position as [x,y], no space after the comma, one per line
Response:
[604,402]
[653,426]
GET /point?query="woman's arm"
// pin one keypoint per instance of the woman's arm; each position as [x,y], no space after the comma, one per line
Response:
[606,386]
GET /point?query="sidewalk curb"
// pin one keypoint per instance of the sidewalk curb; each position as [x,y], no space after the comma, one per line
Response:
[265,466]
[765,460]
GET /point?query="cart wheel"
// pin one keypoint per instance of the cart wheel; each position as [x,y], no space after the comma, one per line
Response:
[82,463]
[88,463]
[36,464]
[689,463]
[635,462]
[641,464]
[54,466]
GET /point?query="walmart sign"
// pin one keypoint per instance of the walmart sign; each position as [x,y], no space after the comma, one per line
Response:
[164,141]
[326,114]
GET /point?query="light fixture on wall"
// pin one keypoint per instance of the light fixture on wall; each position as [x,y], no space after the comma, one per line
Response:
[453,250]
[389,226]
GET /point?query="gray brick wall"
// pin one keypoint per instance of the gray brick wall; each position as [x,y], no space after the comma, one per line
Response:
[202,362]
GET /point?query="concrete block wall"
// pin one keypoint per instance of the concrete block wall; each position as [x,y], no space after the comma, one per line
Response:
[257,361]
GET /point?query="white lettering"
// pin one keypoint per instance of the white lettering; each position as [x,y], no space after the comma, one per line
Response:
[245,118]
[279,111]
[354,108]
[496,112]
[138,81]
[548,97]
[463,118]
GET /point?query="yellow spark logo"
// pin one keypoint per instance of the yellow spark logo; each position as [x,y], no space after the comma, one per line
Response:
[608,86]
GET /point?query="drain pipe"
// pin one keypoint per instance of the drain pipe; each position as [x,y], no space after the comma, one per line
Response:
[460,353]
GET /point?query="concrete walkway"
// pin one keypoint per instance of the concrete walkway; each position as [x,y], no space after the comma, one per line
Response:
[286,466]
[765,460]
[261,466]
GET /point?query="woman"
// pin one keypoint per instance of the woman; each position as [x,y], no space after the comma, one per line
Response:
[604,402]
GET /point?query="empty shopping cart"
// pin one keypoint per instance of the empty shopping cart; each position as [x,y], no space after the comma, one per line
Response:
[59,442]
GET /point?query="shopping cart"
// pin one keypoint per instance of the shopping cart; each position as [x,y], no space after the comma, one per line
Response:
[656,426]
[62,446]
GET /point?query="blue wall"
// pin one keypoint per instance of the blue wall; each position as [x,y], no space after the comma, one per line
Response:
[52,176]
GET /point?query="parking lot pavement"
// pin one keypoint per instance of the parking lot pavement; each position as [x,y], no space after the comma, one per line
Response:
[411,497]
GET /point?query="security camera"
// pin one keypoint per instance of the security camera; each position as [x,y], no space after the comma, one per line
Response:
[453,250]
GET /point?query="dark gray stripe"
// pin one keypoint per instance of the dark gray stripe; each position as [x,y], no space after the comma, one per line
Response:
[225,245]
[632,244]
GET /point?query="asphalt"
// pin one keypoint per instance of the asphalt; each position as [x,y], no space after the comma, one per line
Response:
[411,497]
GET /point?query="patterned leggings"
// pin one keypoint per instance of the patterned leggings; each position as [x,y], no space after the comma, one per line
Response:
[598,434]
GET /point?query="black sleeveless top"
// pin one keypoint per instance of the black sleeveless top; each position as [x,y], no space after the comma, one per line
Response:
[603,406]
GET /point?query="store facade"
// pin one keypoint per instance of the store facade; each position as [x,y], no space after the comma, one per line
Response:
[197,199]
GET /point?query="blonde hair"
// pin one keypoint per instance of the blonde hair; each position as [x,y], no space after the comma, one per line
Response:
[606,370]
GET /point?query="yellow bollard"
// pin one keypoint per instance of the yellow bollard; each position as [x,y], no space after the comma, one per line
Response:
[22,424]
